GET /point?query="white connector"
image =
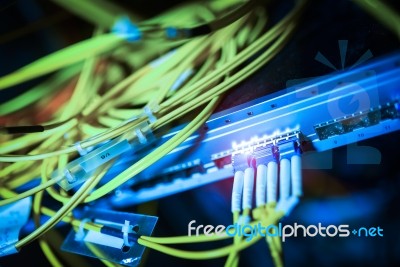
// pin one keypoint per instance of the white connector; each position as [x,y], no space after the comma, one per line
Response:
[237,190]
[296,176]
[248,188]
[261,185]
[284,179]
[272,181]
[127,229]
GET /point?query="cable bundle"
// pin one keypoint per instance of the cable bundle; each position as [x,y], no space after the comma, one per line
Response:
[92,103]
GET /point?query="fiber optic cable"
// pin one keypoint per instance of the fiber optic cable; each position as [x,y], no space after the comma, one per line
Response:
[67,56]
[201,255]
[47,251]
[25,194]
[212,253]
[107,118]
[102,13]
[38,91]
[383,13]
[72,203]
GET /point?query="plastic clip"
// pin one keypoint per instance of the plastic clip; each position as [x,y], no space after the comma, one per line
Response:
[80,235]
[149,113]
[144,136]
[70,178]
[79,148]
[127,229]
[117,241]
[143,130]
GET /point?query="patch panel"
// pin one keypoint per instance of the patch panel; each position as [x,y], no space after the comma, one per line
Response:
[169,175]
[222,159]
[356,121]
[266,149]
[276,126]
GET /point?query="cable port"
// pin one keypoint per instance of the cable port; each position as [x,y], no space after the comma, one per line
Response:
[168,175]
[266,149]
[222,159]
[356,121]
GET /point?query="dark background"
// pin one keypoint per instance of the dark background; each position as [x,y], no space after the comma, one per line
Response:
[358,195]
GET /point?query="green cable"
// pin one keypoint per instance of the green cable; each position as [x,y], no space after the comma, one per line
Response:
[75,200]
[62,58]
[210,254]
[156,155]
[38,92]
[83,86]
[383,13]
[99,12]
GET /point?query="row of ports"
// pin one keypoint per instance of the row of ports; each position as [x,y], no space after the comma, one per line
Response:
[356,121]
[263,150]
[170,174]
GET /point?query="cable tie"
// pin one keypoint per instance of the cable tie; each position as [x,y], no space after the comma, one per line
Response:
[148,112]
[143,130]
[142,138]
[79,148]
[70,178]
[127,229]
[81,231]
